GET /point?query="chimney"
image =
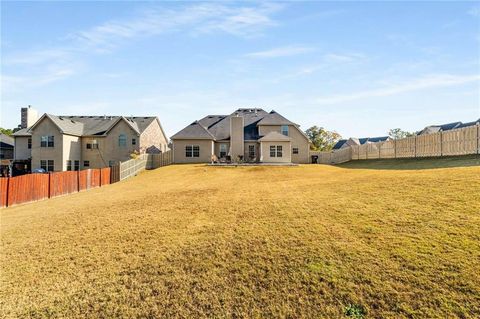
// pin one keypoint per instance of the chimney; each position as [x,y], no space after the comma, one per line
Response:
[28,116]
[236,137]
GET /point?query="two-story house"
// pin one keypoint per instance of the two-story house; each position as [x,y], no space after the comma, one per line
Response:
[249,134]
[62,143]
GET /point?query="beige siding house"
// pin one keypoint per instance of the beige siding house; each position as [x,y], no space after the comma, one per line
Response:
[60,143]
[250,135]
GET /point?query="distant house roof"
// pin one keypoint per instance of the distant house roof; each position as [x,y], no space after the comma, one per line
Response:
[339,144]
[275,137]
[6,141]
[90,125]
[378,139]
[441,127]
[469,124]
[219,125]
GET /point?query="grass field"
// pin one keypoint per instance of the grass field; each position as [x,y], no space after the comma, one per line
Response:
[358,240]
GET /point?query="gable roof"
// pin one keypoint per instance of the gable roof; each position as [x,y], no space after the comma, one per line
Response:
[194,131]
[339,144]
[469,124]
[218,126]
[89,125]
[275,137]
[273,118]
[6,141]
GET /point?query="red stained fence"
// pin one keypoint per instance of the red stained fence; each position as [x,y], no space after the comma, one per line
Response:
[33,187]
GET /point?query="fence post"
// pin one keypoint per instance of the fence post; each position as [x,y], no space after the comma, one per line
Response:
[78,181]
[395,148]
[49,186]
[379,146]
[415,149]
[100,178]
[441,143]
[7,191]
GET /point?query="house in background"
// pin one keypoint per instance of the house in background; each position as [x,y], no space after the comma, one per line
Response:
[62,143]
[446,127]
[359,141]
[6,154]
[248,134]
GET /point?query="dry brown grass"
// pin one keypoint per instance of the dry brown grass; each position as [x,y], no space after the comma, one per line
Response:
[195,241]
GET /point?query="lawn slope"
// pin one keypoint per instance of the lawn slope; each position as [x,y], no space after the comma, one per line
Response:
[193,241]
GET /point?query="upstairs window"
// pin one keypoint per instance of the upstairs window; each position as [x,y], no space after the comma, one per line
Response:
[47,141]
[134,141]
[29,143]
[295,150]
[93,144]
[285,130]
[86,163]
[122,140]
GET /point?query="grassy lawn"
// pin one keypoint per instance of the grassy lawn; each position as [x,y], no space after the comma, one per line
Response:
[359,240]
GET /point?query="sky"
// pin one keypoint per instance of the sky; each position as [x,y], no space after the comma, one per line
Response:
[359,68]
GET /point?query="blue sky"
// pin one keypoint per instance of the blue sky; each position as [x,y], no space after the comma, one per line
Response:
[359,68]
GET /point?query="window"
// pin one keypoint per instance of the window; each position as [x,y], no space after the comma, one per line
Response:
[188,151]
[134,141]
[272,150]
[192,151]
[69,165]
[295,150]
[86,163]
[276,151]
[47,141]
[29,143]
[285,130]
[93,144]
[122,140]
[51,141]
[223,150]
[77,165]
[47,165]
[251,151]
[43,141]
[196,151]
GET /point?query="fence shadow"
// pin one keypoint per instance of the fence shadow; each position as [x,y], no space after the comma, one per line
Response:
[414,163]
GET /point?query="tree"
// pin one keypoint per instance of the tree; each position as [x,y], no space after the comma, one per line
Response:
[6,131]
[398,133]
[322,139]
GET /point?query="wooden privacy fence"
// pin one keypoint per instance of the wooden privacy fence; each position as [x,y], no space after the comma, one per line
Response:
[144,161]
[33,187]
[461,141]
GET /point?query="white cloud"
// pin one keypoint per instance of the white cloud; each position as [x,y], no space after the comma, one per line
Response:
[280,52]
[199,18]
[474,11]
[426,82]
